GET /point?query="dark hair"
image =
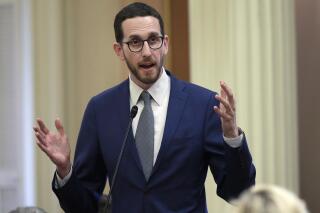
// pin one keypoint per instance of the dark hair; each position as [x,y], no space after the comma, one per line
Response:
[134,10]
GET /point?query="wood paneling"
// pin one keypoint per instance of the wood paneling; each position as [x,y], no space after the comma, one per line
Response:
[308,51]
[180,39]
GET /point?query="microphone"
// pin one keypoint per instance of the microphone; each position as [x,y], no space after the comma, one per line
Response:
[133,112]
[105,202]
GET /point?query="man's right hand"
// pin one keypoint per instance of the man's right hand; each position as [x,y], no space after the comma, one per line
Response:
[55,145]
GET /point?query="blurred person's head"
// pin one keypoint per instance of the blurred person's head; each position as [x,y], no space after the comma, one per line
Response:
[269,199]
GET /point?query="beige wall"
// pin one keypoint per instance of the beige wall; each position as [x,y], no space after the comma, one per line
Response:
[49,85]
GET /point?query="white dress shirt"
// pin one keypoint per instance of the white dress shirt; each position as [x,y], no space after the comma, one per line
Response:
[160,92]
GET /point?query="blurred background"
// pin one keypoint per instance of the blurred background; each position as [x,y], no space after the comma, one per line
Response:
[56,54]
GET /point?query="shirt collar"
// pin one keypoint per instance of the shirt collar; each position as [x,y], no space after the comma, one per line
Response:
[156,90]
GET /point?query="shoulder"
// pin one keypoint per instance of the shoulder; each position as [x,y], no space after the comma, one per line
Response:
[110,97]
[197,89]
[194,91]
[113,92]
[116,90]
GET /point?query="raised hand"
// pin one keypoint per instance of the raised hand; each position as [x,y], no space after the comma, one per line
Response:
[227,111]
[55,145]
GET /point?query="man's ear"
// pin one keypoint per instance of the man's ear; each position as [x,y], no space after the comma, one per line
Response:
[118,50]
[166,44]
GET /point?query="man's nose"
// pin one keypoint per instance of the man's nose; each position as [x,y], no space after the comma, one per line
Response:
[146,50]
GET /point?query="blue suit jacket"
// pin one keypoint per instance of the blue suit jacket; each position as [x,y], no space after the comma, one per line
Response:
[192,142]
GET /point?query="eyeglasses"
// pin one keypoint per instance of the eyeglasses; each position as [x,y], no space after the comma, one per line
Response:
[136,45]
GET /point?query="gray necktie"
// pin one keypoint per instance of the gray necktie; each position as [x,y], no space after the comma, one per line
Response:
[145,135]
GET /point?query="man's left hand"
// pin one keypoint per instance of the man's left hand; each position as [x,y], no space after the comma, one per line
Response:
[227,111]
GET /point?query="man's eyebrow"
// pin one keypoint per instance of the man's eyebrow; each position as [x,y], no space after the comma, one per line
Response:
[154,34]
[134,36]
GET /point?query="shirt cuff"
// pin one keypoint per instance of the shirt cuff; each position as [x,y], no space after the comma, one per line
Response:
[234,142]
[60,182]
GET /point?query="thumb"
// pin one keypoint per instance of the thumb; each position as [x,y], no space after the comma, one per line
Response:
[59,126]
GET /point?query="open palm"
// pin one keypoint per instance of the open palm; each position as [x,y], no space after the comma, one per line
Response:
[54,144]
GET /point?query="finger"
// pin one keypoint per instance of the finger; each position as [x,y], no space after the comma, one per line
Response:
[228,92]
[222,92]
[41,139]
[224,97]
[38,130]
[42,126]
[225,103]
[59,126]
[41,134]
[42,147]
[221,113]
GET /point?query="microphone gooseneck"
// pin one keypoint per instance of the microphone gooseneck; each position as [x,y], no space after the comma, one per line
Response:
[133,113]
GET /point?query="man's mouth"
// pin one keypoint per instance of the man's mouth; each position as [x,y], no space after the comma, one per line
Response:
[146,65]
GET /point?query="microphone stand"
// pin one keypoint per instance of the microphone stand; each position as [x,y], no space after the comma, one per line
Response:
[105,202]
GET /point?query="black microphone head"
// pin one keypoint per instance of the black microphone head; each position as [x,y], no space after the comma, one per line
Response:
[133,112]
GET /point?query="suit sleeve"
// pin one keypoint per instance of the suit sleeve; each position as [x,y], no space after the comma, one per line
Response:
[232,168]
[83,190]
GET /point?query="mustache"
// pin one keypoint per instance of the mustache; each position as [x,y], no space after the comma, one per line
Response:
[147,60]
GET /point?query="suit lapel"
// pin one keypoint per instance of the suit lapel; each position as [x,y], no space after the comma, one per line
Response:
[124,105]
[176,105]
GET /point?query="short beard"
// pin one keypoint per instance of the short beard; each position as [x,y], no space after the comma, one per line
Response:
[147,81]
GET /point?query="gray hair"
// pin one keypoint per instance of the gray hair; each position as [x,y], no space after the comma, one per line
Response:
[269,199]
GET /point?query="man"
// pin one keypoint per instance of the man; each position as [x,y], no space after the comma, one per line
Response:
[180,129]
